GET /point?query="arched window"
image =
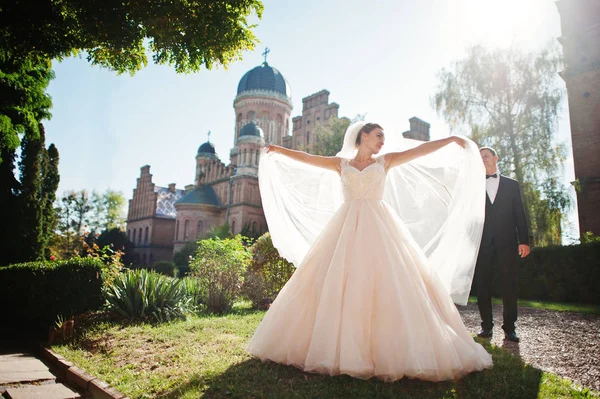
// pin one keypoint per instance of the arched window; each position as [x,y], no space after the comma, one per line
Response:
[134,234]
[146,235]
[140,236]
[129,235]
[177,231]
[200,229]
[233,227]
[186,230]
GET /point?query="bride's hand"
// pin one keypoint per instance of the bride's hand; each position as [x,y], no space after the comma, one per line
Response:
[271,148]
[460,141]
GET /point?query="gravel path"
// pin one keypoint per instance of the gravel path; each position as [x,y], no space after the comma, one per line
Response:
[564,343]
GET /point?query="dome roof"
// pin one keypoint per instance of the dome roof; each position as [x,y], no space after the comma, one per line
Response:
[204,194]
[250,129]
[264,77]
[206,148]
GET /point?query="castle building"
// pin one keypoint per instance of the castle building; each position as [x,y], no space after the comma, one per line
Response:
[161,220]
[580,40]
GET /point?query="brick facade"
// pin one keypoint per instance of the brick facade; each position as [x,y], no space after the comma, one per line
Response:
[580,24]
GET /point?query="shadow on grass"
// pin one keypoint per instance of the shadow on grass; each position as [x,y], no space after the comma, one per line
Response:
[510,378]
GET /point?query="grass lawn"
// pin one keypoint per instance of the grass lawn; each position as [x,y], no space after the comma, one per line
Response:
[557,306]
[205,357]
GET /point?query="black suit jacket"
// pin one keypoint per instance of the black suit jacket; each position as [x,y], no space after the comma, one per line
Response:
[505,223]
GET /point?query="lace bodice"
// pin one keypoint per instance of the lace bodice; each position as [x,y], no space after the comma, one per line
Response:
[363,184]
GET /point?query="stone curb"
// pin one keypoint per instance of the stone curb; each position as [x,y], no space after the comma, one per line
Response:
[87,383]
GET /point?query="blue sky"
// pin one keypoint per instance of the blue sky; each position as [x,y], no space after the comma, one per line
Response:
[378,58]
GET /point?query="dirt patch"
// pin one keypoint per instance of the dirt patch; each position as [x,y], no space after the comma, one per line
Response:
[563,343]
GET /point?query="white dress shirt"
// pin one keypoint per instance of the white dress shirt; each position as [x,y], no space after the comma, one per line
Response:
[491,186]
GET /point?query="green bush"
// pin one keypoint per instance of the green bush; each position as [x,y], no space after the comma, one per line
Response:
[558,274]
[267,273]
[183,257]
[34,294]
[165,267]
[142,294]
[196,292]
[219,265]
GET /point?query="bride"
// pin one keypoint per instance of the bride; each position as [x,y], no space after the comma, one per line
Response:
[373,292]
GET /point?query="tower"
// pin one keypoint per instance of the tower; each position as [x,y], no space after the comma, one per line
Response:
[580,40]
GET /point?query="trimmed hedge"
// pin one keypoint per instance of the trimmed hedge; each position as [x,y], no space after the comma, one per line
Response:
[33,294]
[568,273]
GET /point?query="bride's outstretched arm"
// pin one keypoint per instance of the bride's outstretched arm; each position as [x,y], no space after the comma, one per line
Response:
[398,158]
[332,163]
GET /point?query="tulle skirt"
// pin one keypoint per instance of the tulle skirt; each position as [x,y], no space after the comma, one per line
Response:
[365,303]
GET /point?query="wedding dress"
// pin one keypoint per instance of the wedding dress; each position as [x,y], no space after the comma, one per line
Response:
[364,300]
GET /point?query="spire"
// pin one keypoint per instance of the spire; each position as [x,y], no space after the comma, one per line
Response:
[265,54]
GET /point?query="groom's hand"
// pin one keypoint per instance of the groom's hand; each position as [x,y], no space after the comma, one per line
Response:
[524,250]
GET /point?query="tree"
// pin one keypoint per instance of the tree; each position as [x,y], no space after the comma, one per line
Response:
[117,240]
[24,102]
[329,137]
[114,34]
[108,209]
[29,202]
[510,101]
[51,178]
[73,214]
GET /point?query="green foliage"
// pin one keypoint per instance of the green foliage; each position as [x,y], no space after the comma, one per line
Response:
[73,223]
[196,292]
[24,101]
[40,291]
[267,273]
[183,257]
[510,100]
[142,294]
[29,201]
[221,231]
[589,237]
[329,138]
[113,34]
[117,240]
[219,265]
[50,183]
[165,267]
[558,274]
[107,210]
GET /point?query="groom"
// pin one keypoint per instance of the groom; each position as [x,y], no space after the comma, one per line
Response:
[505,236]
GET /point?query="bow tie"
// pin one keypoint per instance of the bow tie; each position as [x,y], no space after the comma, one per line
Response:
[494,176]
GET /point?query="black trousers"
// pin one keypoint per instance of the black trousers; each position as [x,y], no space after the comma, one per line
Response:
[505,260]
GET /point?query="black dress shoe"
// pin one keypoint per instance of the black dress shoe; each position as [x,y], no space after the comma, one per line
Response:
[485,333]
[511,336]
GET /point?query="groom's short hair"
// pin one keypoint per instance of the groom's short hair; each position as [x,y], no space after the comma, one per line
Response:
[490,149]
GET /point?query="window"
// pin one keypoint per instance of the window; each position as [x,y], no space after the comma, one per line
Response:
[134,234]
[307,137]
[308,122]
[199,229]
[140,236]
[177,231]
[186,230]
[233,227]
[254,228]
[146,235]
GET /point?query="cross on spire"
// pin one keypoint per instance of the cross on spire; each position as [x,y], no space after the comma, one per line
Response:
[265,53]
[209,136]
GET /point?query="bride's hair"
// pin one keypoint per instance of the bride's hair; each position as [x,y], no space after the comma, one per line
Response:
[366,129]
